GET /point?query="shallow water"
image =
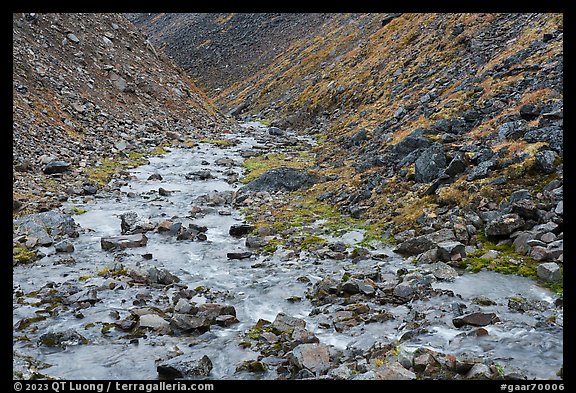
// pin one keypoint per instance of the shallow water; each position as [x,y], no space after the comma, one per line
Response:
[256,292]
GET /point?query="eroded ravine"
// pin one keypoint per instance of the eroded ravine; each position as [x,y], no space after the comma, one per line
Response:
[527,339]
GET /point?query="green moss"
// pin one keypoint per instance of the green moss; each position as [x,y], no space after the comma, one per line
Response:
[219,142]
[84,278]
[254,333]
[159,150]
[256,166]
[26,322]
[102,174]
[312,242]
[22,255]
[78,210]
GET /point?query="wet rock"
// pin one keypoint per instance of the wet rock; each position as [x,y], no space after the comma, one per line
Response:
[520,195]
[85,296]
[286,324]
[185,366]
[123,242]
[212,310]
[451,251]
[154,322]
[46,226]
[56,167]
[479,371]
[164,192]
[442,271]
[253,366]
[559,208]
[62,339]
[476,319]
[481,171]
[549,272]
[504,225]
[131,224]
[64,246]
[341,372]
[403,290]
[226,320]
[184,306]
[313,357]
[190,323]
[240,230]
[239,255]
[153,275]
[155,176]
[255,242]
[430,163]
[283,179]
[351,287]
[275,131]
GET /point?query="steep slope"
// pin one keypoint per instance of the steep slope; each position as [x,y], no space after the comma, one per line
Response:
[425,121]
[91,93]
[220,49]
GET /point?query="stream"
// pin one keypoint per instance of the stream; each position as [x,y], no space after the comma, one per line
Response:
[257,287]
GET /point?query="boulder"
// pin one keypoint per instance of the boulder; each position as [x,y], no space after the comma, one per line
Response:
[504,225]
[154,322]
[476,319]
[430,163]
[450,250]
[283,179]
[314,357]
[56,167]
[239,255]
[286,324]
[239,230]
[415,246]
[46,226]
[442,271]
[185,366]
[123,242]
[545,161]
[130,224]
[62,339]
[190,323]
[549,272]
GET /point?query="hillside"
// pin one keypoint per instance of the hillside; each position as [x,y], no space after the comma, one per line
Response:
[91,94]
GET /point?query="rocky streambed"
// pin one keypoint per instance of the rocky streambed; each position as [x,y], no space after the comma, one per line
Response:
[162,277]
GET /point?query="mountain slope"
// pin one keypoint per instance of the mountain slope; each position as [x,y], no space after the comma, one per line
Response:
[89,91]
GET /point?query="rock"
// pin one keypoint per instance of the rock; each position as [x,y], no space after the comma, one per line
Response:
[540,253]
[559,208]
[239,255]
[481,171]
[72,37]
[253,366]
[394,371]
[164,192]
[351,287]
[283,179]
[451,250]
[238,109]
[46,226]
[240,230]
[131,224]
[286,324]
[185,366]
[341,372]
[403,290]
[545,161]
[62,339]
[414,246]
[56,167]
[411,143]
[400,113]
[388,18]
[520,195]
[153,275]
[430,163]
[275,131]
[479,371]
[504,225]
[476,319]
[456,166]
[255,242]
[529,112]
[442,271]
[190,323]
[155,176]
[226,320]
[154,322]
[123,242]
[64,246]
[86,296]
[358,138]
[313,357]
[184,306]
[549,272]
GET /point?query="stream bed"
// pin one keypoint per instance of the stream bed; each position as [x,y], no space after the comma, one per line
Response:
[259,287]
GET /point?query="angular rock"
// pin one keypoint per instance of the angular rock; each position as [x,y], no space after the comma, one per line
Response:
[403,290]
[131,224]
[56,167]
[123,242]
[450,251]
[394,371]
[479,371]
[240,230]
[430,163]
[545,161]
[154,322]
[155,176]
[286,324]
[504,225]
[481,171]
[414,246]
[549,272]
[442,271]
[520,195]
[255,242]
[185,366]
[190,323]
[283,179]
[184,306]
[46,226]
[226,320]
[476,319]
[313,357]
[64,246]
[62,339]
[239,255]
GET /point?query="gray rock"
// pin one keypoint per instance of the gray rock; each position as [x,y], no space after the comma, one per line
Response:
[559,208]
[430,163]
[456,166]
[479,371]
[520,195]
[403,290]
[283,179]
[450,251]
[400,113]
[153,275]
[131,224]
[185,366]
[56,167]
[442,271]
[358,138]
[64,246]
[62,339]
[504,225]
[549,272]
[154,322]
[72,37]
[545,161]
[184,306]
[239,255]
[540,253]
[123,242]
[275,131]
[286,324]
[46,226]
[481,171]
[190,323]
[414,246]
[341,372]
[351,287]
[313,357]
[255,242]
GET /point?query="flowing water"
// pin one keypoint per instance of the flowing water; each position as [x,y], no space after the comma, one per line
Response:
[257,287]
